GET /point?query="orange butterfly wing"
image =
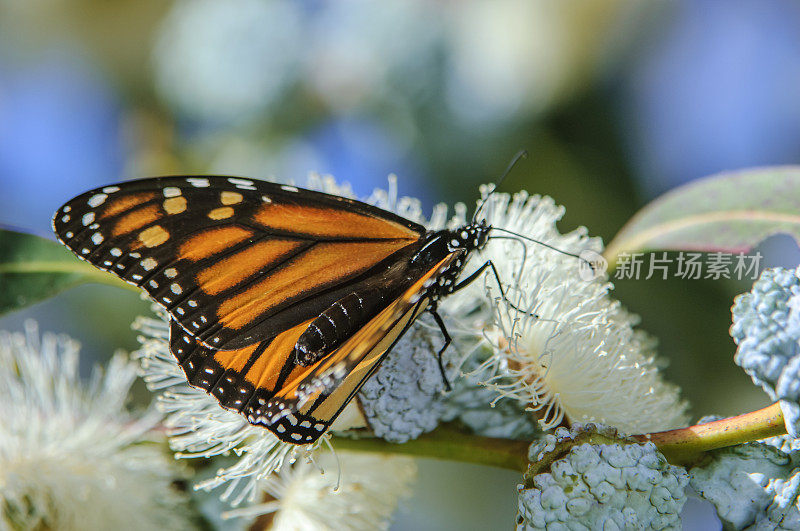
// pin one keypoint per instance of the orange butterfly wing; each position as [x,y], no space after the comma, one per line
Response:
[297,403]
[234,261]
[243,267]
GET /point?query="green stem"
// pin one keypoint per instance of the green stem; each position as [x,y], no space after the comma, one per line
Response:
[681,446]
[685,445]
[448,444]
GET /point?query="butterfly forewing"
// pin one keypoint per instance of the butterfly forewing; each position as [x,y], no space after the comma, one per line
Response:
[235,261]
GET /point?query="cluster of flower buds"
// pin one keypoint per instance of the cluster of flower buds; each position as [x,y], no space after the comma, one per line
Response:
[588,477]
[766,327]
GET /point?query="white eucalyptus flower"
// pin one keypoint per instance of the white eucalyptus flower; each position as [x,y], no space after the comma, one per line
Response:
[199,427]
[476,406]
[71,455]
[572,352]
[344,491]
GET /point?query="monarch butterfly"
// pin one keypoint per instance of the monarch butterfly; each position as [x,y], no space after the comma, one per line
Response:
[282,301]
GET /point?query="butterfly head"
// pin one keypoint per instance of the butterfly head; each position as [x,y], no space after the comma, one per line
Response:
[469,237]
[463,241]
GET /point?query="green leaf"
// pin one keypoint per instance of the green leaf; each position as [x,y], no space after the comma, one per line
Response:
[729,212]
[34,268]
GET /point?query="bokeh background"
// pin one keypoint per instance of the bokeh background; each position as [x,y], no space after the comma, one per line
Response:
[616,102]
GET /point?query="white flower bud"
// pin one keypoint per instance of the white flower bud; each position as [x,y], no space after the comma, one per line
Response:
[588,485]
[766,328]
[753,486]
[404,399]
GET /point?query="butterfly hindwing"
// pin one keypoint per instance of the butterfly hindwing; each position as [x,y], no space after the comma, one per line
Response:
[236,261]
[234,377]
[317,394]
[297,403]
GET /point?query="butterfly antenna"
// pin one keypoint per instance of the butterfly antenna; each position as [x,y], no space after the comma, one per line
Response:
[522,154]
[556,249]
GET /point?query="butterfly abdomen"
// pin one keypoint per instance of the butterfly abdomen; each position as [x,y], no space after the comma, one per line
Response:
[338,322]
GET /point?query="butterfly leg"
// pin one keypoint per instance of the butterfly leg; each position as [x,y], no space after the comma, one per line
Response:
[470,279]
[447,341]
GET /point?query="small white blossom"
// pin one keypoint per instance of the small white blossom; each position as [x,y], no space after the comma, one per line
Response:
[572,352]
[613,485]
[199,427]
[71,455]
[476,406]
[303,498]
[311,495]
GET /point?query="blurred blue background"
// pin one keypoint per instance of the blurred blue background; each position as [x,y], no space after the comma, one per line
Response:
[617,102]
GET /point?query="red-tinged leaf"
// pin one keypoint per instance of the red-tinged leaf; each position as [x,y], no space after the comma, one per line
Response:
[729,212]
